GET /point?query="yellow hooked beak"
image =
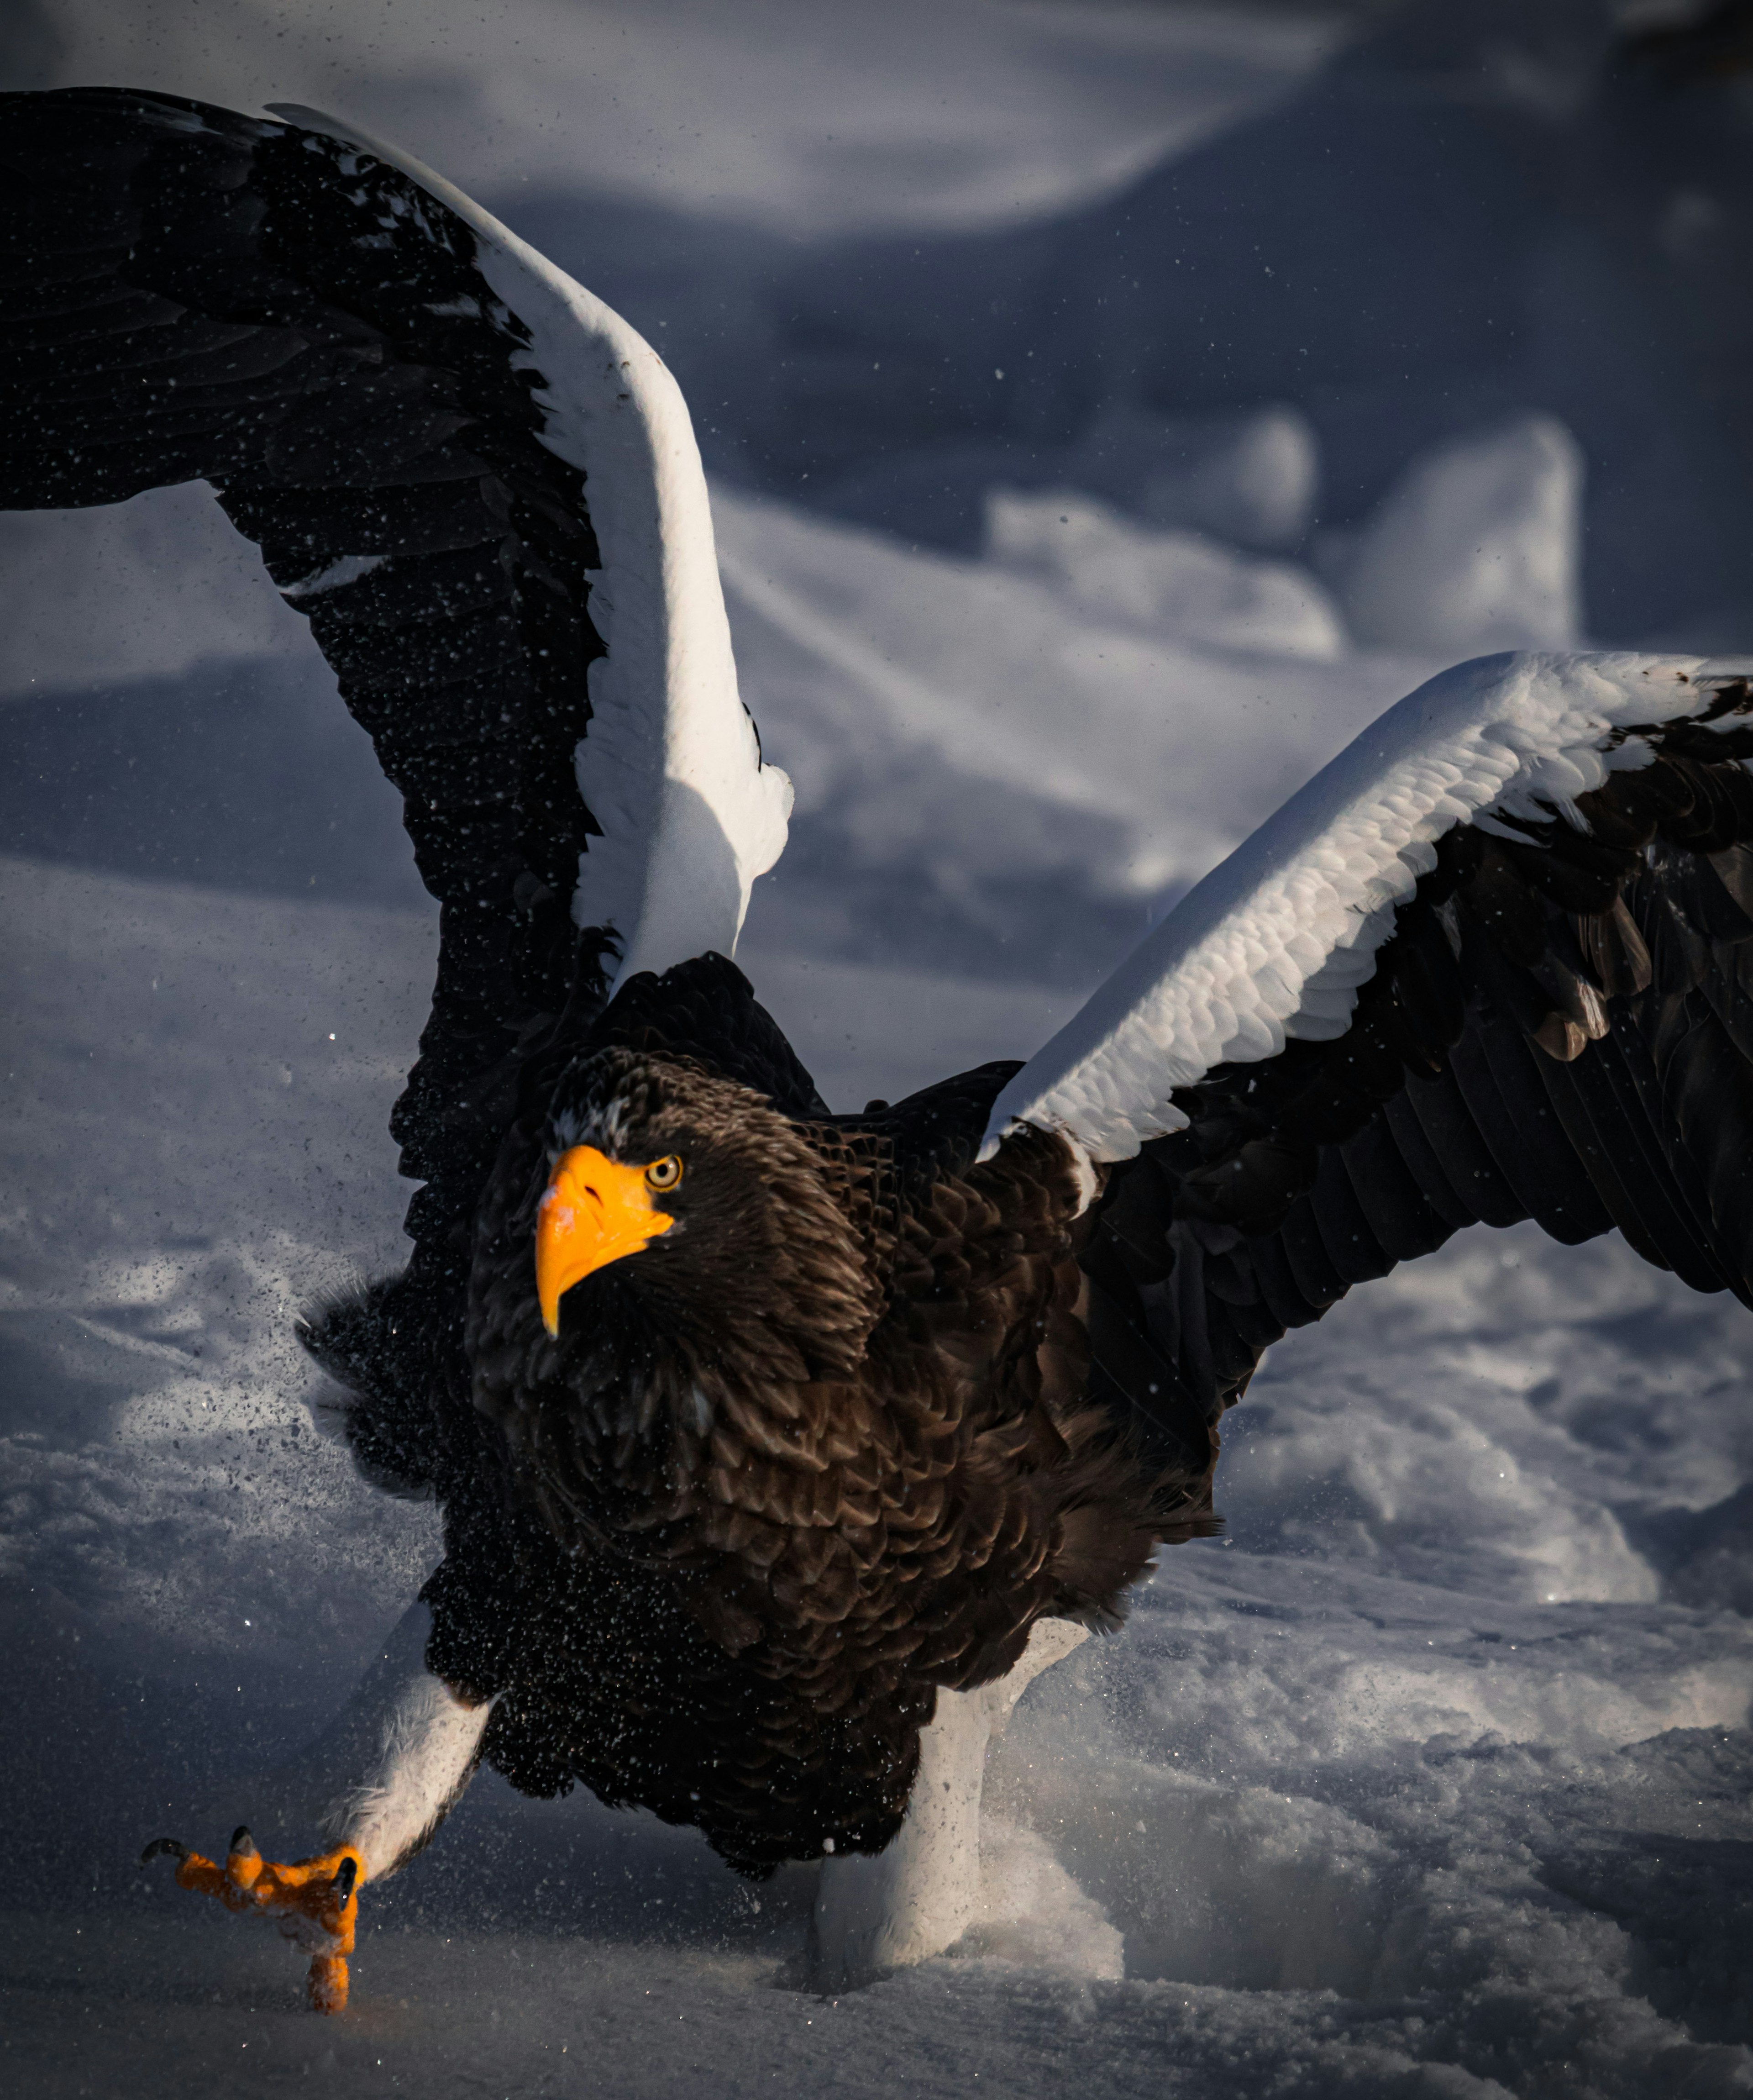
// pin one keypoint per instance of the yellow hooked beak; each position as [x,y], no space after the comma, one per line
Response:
[592,1211]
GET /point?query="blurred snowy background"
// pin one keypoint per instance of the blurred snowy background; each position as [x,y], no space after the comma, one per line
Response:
[1111,409]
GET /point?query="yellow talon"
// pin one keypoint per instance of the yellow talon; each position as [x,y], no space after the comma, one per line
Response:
[314,1902]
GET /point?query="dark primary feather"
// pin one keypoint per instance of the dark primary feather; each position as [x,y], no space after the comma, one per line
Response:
[187,293]
[1560,1028]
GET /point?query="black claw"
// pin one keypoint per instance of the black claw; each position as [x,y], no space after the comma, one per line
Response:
[243,1846]
[175,1847]
[347,1874]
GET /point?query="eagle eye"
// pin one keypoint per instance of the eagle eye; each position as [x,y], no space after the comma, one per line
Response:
[664,1174]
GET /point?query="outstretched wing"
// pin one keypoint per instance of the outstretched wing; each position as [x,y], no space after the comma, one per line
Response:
[480,484]
[1495,962]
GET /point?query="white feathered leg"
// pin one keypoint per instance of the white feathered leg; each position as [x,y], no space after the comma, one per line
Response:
[378,1782]
[396,1760]
[920,1895]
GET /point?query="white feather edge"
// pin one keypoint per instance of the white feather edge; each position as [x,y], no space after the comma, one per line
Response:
[670,765]
[1275,942]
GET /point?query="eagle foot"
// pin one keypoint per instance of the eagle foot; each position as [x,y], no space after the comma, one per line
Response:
[314,1902]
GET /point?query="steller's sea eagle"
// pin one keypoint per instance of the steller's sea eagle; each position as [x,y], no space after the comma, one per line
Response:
[777,1447]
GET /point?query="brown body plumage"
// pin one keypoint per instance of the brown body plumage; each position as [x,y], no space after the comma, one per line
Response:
[819,1451]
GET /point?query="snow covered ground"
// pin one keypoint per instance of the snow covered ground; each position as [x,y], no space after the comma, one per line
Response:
[1438,1760]
[1432,1779]
[1433,1773]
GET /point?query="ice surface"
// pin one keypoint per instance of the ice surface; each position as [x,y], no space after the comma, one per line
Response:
[1431,1782]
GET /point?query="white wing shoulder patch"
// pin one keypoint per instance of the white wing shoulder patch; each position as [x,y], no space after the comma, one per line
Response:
[1275,942]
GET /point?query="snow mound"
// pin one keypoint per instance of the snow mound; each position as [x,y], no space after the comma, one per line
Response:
[1478,547]
[1176,582]
[992,719]
[1032,1913]
[1250,477]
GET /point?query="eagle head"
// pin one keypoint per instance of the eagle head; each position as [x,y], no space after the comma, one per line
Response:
[656,1235]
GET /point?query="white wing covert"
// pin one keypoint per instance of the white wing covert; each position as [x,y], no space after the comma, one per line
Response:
[1274,943]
